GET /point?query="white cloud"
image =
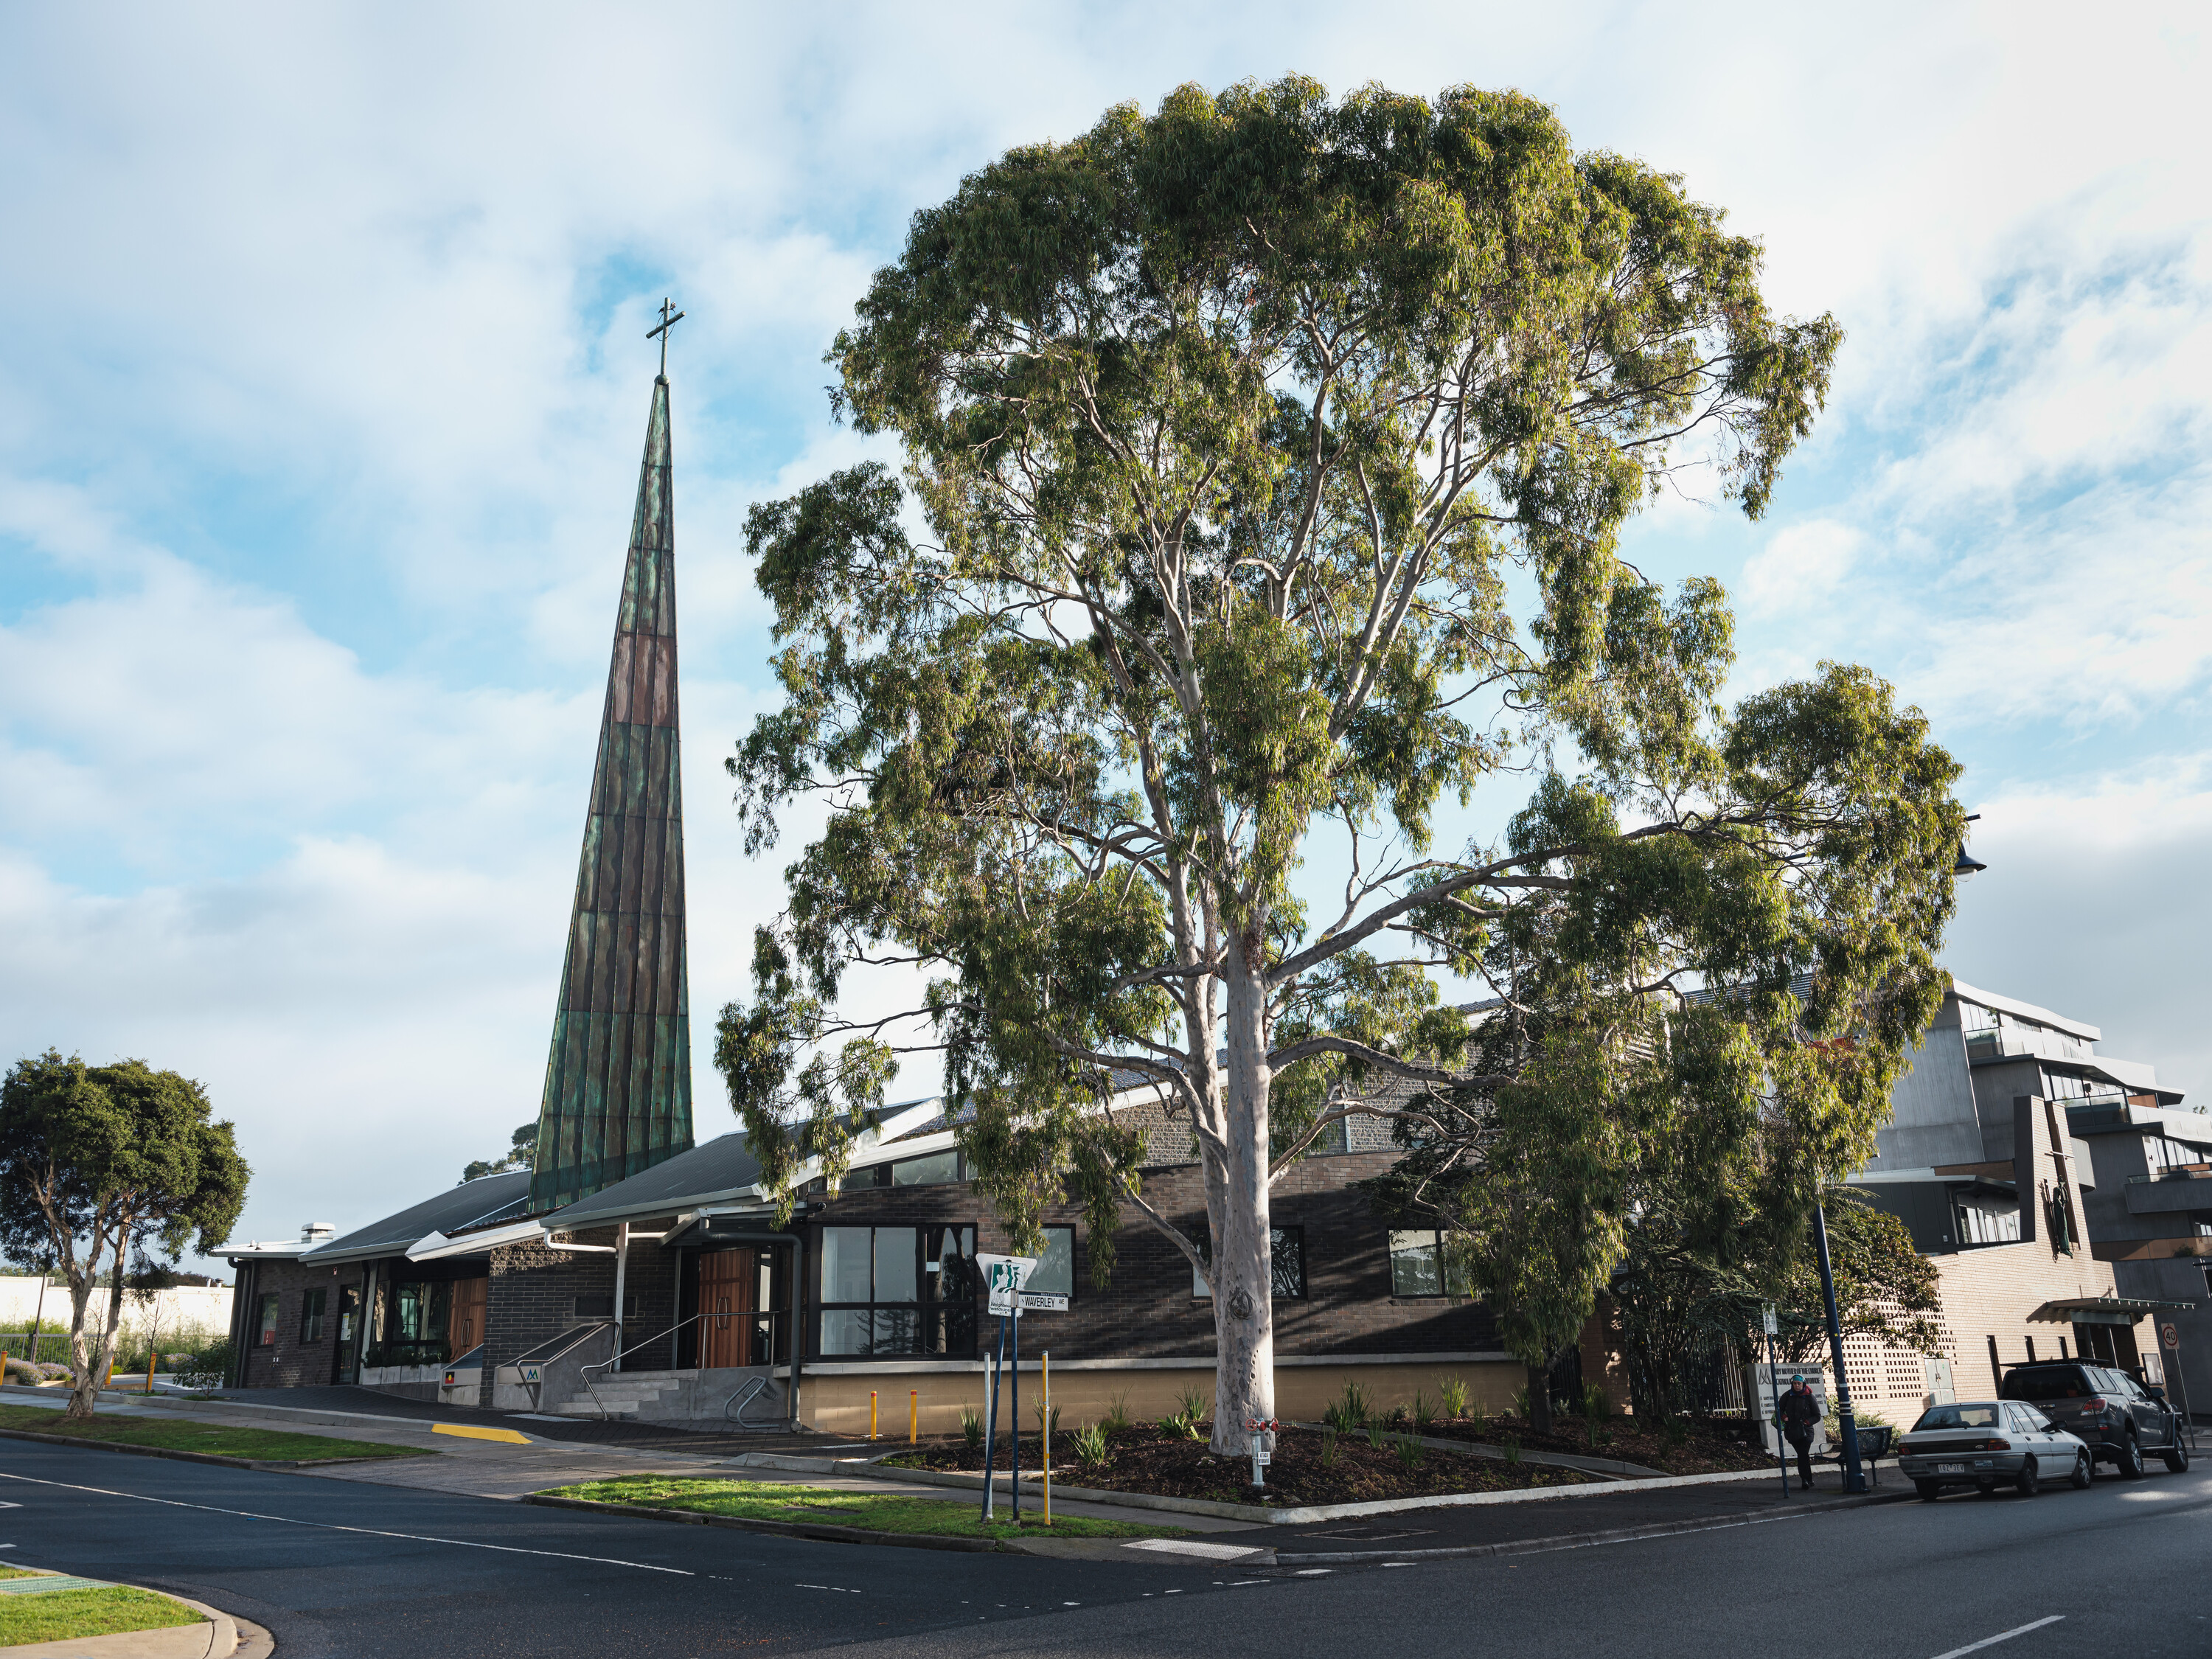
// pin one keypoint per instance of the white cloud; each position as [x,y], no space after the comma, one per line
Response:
[1800,567]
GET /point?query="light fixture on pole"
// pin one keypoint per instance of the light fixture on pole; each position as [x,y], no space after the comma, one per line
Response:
[1968,865]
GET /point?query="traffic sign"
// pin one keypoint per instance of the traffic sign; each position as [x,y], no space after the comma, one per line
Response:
[1003,1277]
[2172,1333]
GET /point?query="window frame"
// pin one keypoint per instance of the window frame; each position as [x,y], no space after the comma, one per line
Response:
[271,1311]
[312,1305]
[932,1311]
[1445,1287]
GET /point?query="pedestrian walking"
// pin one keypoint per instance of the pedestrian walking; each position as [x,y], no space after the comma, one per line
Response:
[1798,1416]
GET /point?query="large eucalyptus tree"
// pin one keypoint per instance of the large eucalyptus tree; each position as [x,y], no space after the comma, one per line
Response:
[1274,453]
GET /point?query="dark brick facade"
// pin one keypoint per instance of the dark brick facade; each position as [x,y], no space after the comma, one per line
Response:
[292,1361]
[1148,1311]
[536,1290]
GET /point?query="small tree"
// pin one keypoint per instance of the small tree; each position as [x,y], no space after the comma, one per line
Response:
[520,1153]
[100,1166]
[1276,454]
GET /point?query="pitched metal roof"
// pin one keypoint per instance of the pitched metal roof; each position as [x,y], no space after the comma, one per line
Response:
[721,1169]
[449,1212]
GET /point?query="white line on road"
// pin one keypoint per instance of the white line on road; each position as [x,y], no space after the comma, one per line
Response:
[2001,1636]
[366,1532]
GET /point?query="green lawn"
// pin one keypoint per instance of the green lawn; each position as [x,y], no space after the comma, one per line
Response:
[769,1500]
[185,1434]
[71,1615]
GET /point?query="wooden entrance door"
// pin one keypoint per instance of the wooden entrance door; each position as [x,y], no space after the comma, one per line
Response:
[727,1290]
[465,1317]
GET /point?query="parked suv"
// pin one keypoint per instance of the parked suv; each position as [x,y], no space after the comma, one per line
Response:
[2108,1410]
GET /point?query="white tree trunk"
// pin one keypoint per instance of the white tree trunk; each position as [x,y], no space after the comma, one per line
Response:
[91,1354]
[1244,1260]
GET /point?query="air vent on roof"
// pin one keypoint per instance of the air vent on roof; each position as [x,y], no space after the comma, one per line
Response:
[318,1232]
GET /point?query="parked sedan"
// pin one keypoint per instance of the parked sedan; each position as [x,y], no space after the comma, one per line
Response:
[1984,1443]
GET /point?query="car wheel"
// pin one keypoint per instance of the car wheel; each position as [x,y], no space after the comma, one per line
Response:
[2085,1471]
[2130,1458]
[2025,1482]
[1930,1490]
[2176,1457]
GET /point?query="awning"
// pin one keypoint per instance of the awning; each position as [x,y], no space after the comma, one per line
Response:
[2102,1310]
[433,1246]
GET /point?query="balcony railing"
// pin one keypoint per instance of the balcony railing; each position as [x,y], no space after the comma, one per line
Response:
[2178,1172]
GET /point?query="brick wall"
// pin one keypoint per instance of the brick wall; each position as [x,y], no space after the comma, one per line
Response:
[535,1287]
[292,1361]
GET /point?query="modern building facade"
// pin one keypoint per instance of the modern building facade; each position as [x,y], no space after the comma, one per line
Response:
[2021,1157]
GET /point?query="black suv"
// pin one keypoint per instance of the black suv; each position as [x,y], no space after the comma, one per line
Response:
[2107,1409]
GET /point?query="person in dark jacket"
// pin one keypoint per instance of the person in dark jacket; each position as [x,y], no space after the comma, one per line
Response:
[1800,1415]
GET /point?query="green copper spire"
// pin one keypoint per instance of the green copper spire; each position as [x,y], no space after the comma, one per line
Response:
[618,1083]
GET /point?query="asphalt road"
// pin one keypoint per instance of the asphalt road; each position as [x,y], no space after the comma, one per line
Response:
[336,1568]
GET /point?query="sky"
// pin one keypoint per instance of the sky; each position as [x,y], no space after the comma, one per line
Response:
[325,378]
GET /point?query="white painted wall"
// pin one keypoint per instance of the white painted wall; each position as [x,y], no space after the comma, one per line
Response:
[203,1306]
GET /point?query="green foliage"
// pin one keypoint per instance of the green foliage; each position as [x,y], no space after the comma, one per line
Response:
[1194,1405]
[1410,1452]
[1349,1410]
[1328,1447]
[521,1152]
[100,1166]
[1423,1411]
[1594,1407]
[972,1427]
[1092,1448]
[1478,1415]
[1046,1426]
[1275,452]
[1511,1446]
[1452,1394]
[1117,1410]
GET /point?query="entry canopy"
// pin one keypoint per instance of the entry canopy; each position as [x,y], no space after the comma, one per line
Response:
[2102,1310]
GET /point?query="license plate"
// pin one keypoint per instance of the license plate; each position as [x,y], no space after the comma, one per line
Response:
[1950,1468]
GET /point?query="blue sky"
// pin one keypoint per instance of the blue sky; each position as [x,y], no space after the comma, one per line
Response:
[324,380]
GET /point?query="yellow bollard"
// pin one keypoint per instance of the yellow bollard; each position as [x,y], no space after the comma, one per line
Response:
[913,1417]
[872,1414]
[1045,1436]
[153,1359]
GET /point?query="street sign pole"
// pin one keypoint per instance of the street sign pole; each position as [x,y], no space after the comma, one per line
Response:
[991,1416]
[1774,1386]
[1853,1473]
[1014,1429]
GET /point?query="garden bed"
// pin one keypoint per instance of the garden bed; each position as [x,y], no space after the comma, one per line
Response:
[1686,1447]
[1311,1466]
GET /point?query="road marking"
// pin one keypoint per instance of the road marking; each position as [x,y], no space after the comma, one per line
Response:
[2001,1636]
[1191,1547]
[366,1532]
[471,1431]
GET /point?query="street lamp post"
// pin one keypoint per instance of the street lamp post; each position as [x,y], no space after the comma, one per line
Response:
[1854,1473]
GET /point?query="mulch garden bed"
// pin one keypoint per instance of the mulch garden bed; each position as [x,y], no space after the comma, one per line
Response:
[1693,1446]
[1146,1458]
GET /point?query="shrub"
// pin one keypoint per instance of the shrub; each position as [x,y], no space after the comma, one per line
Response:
[1410,1451]
[1328,1449]
[1512,1445]
[1117,1411]
[1594,1405]
[1397,1416]
[1350,1409]
[1521,1403]
[1479,1417]
[1043,1427]
[1423,1411]
[972,1427]
[205,1369]
[1195,1407]
[1375,1436]
[1453,1392]
[1090,1447]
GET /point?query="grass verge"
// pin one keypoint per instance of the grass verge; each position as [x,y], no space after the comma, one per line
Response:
[72,1615]
[185,1434]
[769,1500]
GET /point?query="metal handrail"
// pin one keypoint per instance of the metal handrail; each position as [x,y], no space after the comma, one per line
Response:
[575,1341]
[585,1371]
[751,1389]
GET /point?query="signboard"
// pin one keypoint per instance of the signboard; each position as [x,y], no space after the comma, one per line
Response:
[532,1374]
[1766,1317]
[1003,1276]
[2170,1333]
[1763,1382]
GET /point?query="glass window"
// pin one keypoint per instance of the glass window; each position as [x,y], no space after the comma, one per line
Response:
[267,1337]
[900,1300]
[1422,1264]
[846,1263]
[311,1316]
[897,1265]
[1958,1417]
[1287,1267]
[933,1171]
[1054,1273]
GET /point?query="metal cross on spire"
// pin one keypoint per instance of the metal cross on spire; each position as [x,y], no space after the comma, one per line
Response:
[667,322]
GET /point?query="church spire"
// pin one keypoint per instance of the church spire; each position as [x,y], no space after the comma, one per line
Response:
[618,1082]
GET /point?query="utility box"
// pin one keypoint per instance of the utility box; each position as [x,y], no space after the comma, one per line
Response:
[1760,1388]
[1940,1392]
